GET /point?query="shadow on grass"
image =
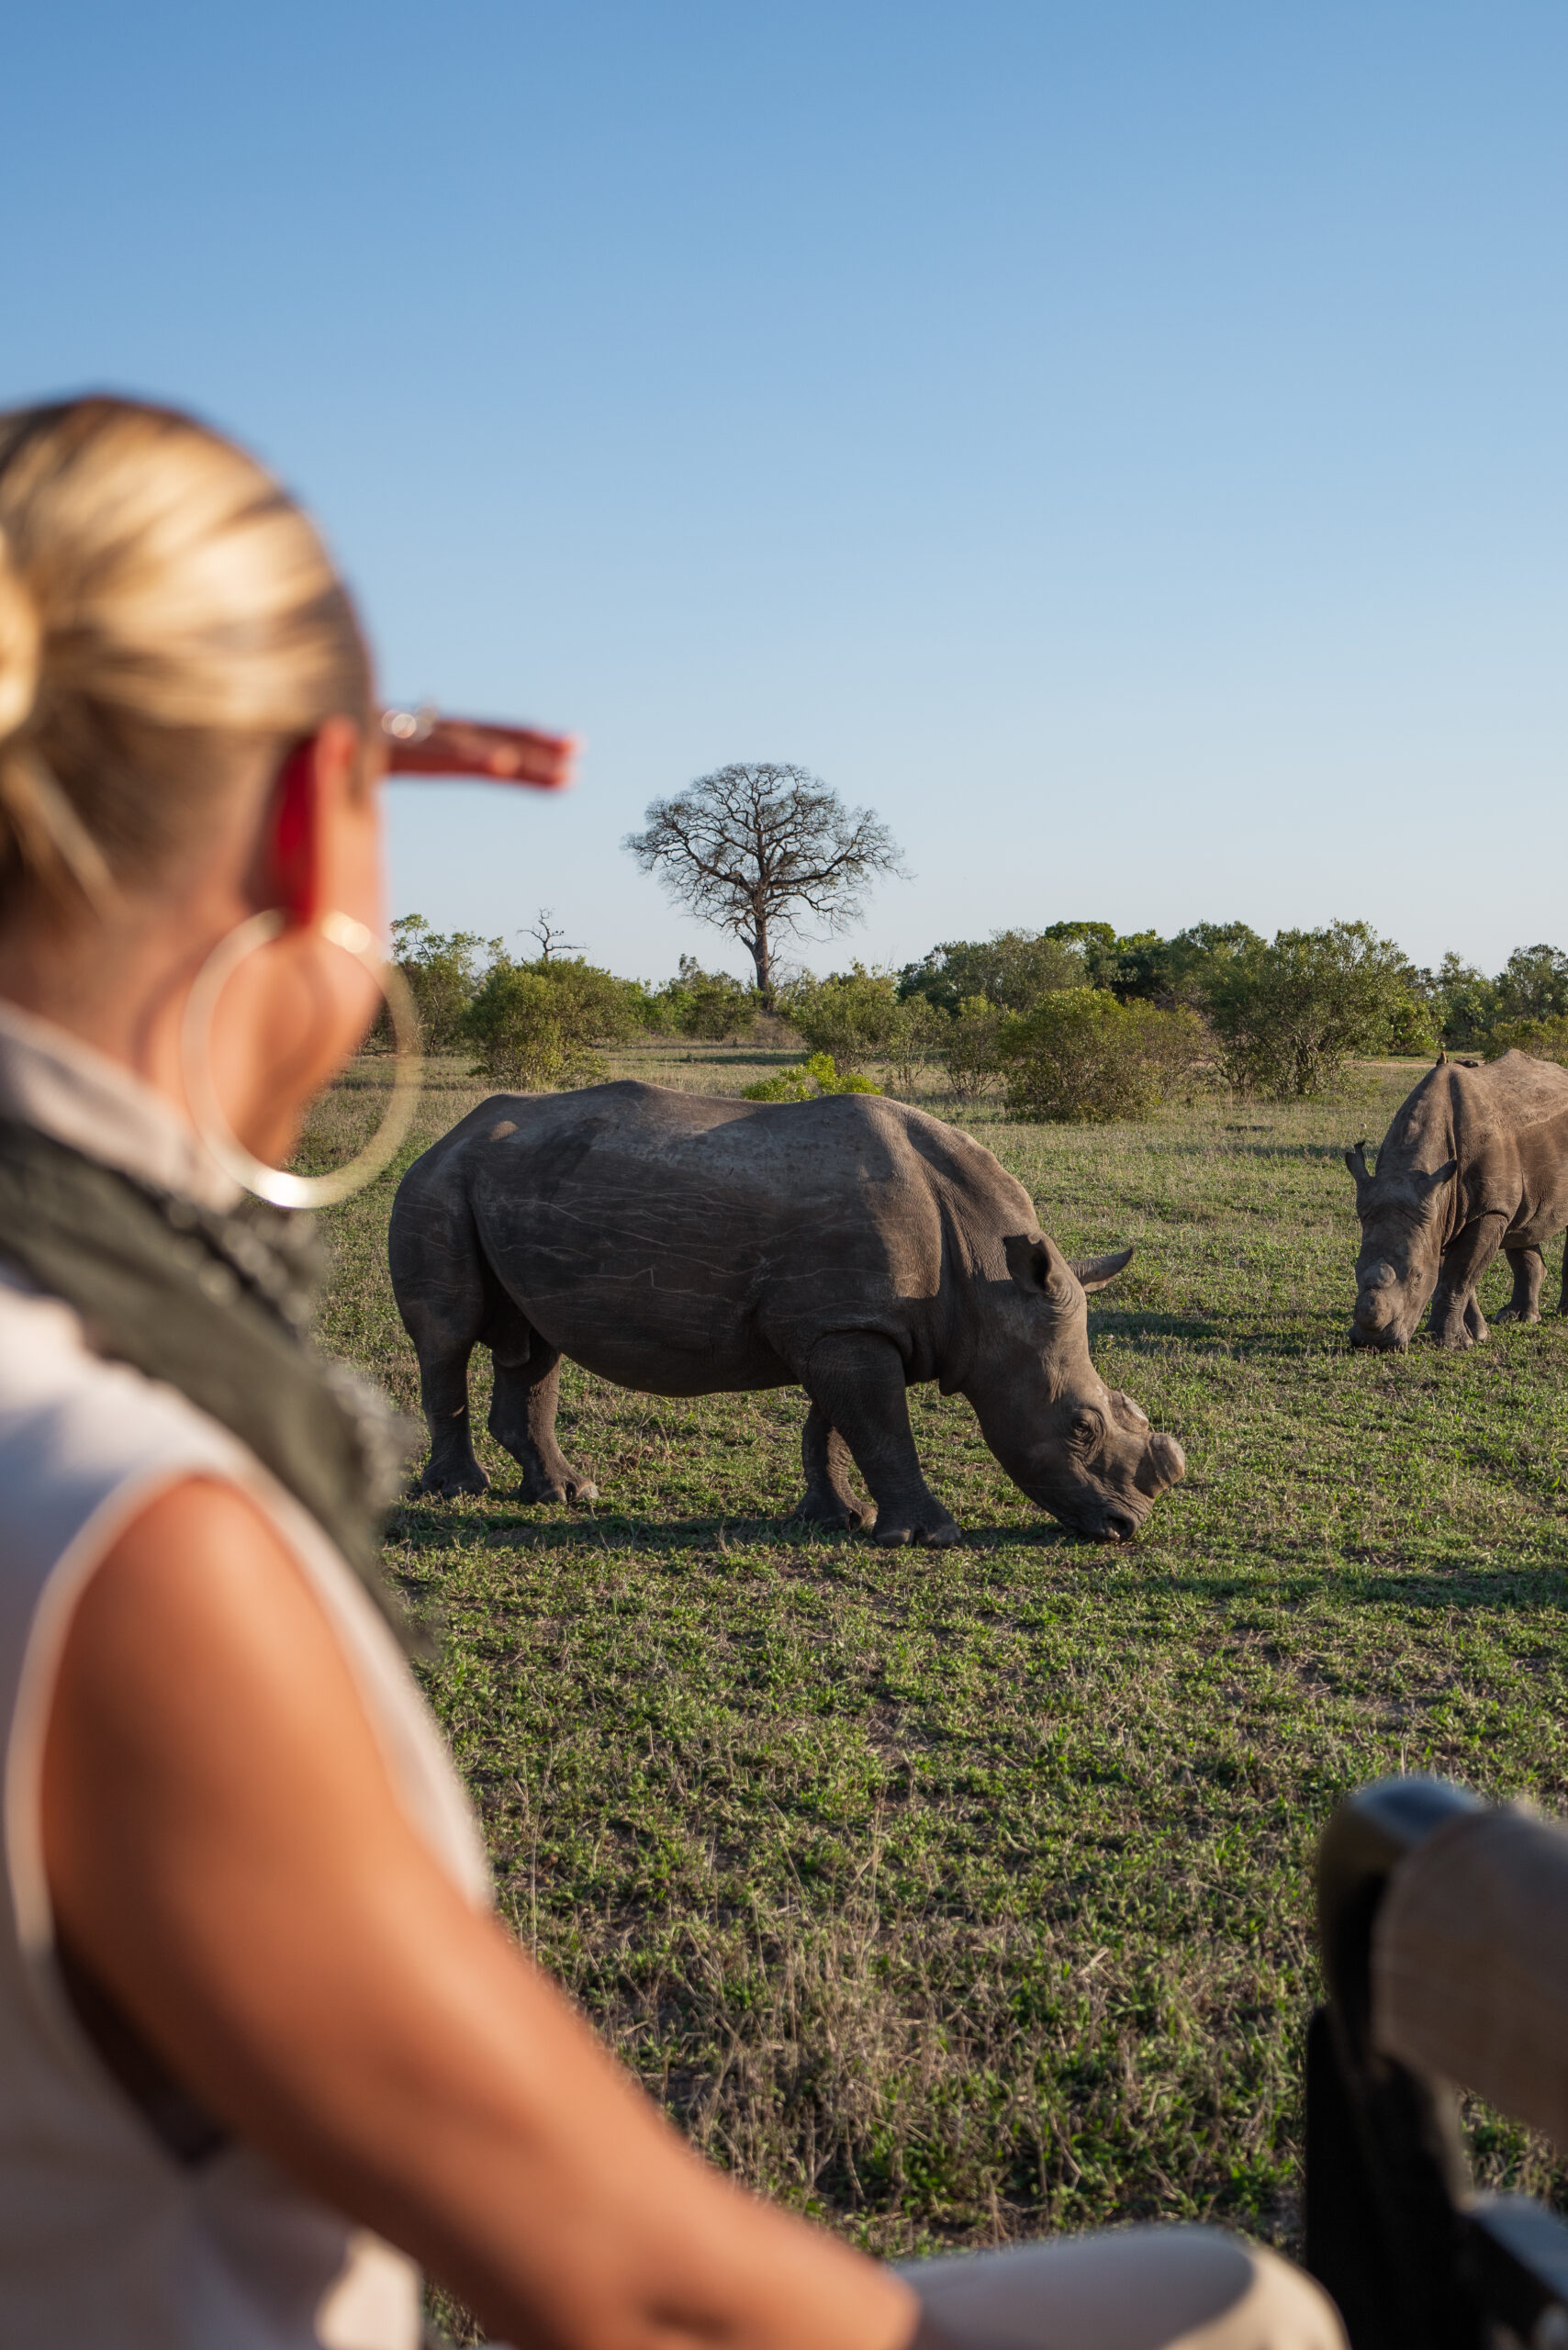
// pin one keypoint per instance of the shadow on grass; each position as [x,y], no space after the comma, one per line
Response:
[426,1525]
[1130,1323]
[1370,1581]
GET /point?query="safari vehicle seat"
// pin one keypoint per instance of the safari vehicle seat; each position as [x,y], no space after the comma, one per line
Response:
[1444,1930]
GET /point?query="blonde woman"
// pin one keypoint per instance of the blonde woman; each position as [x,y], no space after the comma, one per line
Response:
[262,2045]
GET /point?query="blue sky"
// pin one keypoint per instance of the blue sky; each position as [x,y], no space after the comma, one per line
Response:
[1123,445]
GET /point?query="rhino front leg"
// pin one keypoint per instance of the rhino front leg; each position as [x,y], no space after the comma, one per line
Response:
[827,1500]
[522,1418]
[857,1383]
[1529,1271]
[1456,1317]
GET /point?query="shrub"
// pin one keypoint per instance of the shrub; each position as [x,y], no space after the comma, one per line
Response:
[443,972]
[808,1081]
[967,1049]
[855,1015]
[534,1027]
[1082,1055]
[711,1004]
[1288,1015]
[1012,969]
[921,1030]
[1545,1040]
[1412,1026]
[1533,984]
[1464,1002]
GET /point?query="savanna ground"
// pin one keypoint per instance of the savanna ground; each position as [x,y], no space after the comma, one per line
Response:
[955,1896]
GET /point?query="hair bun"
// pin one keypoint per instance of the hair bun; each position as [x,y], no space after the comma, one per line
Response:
[21,640]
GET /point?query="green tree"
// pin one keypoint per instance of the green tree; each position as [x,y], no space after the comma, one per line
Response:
[1290,1015]
[442,970]
[535,1027]
[1080,1055]
[1196,957]
[712,1005]
[1463,1000]
[967,1049]
[1544,1040]
[1533,984]
[1012,969]
[853,1015]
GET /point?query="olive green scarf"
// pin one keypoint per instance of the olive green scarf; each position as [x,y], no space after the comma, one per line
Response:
[218,1307]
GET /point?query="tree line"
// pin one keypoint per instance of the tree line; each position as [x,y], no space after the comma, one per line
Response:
[1071,1021]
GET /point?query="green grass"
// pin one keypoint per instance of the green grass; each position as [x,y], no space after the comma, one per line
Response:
[955,1896]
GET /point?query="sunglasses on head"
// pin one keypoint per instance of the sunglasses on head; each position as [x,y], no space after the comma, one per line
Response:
[426,742]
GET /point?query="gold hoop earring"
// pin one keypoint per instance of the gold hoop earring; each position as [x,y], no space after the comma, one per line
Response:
[276,1184]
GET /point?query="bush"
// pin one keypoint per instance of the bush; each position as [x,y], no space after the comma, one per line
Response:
[534,1027]
[709,1004]
[1533,984]
[1081,1056]
[855,1015]
[1012,969]
[1544,1040]
[808,1082]
[967,1050]
[442,973]
[1289,1015]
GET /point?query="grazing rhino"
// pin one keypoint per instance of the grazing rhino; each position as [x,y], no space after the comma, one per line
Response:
[687,1246]
[1475,1160]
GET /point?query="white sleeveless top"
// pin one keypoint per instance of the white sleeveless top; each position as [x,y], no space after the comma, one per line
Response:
[106,2242]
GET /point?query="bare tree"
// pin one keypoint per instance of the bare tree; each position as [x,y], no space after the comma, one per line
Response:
[760,850]
[551,940]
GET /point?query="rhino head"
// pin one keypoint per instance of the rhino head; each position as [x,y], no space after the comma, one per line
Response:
[1402,1247]
[1078,1449]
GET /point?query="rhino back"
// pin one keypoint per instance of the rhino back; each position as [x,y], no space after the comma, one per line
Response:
[684,1243]
[1507,1123]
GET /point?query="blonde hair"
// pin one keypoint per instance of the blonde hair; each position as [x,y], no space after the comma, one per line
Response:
[170,621]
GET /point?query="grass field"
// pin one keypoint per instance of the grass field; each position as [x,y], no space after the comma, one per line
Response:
[956,1896]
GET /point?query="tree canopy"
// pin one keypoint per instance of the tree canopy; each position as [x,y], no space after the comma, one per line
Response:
[764,851]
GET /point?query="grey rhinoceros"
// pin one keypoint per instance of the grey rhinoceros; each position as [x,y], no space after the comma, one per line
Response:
[1475,1159]
[687,1246]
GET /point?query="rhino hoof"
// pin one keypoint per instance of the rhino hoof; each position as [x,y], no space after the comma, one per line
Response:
[831,1517]
[453,1488]
[557,1493]
[940,1537]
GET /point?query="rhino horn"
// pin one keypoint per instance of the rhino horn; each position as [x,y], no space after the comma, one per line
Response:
[1093,1272]
[1442,1060]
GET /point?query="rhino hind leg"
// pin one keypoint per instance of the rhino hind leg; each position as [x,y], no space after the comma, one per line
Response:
[523,1420]
[1529,1271]
[445,1322]
[827,1500]
[855,1382]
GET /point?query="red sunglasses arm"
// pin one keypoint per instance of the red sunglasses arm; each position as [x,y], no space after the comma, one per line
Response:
[429,742]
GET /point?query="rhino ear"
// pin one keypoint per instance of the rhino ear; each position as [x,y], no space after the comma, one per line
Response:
[1356,1161]
[1039,1268]
[1093,1272]
[1437,1178]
